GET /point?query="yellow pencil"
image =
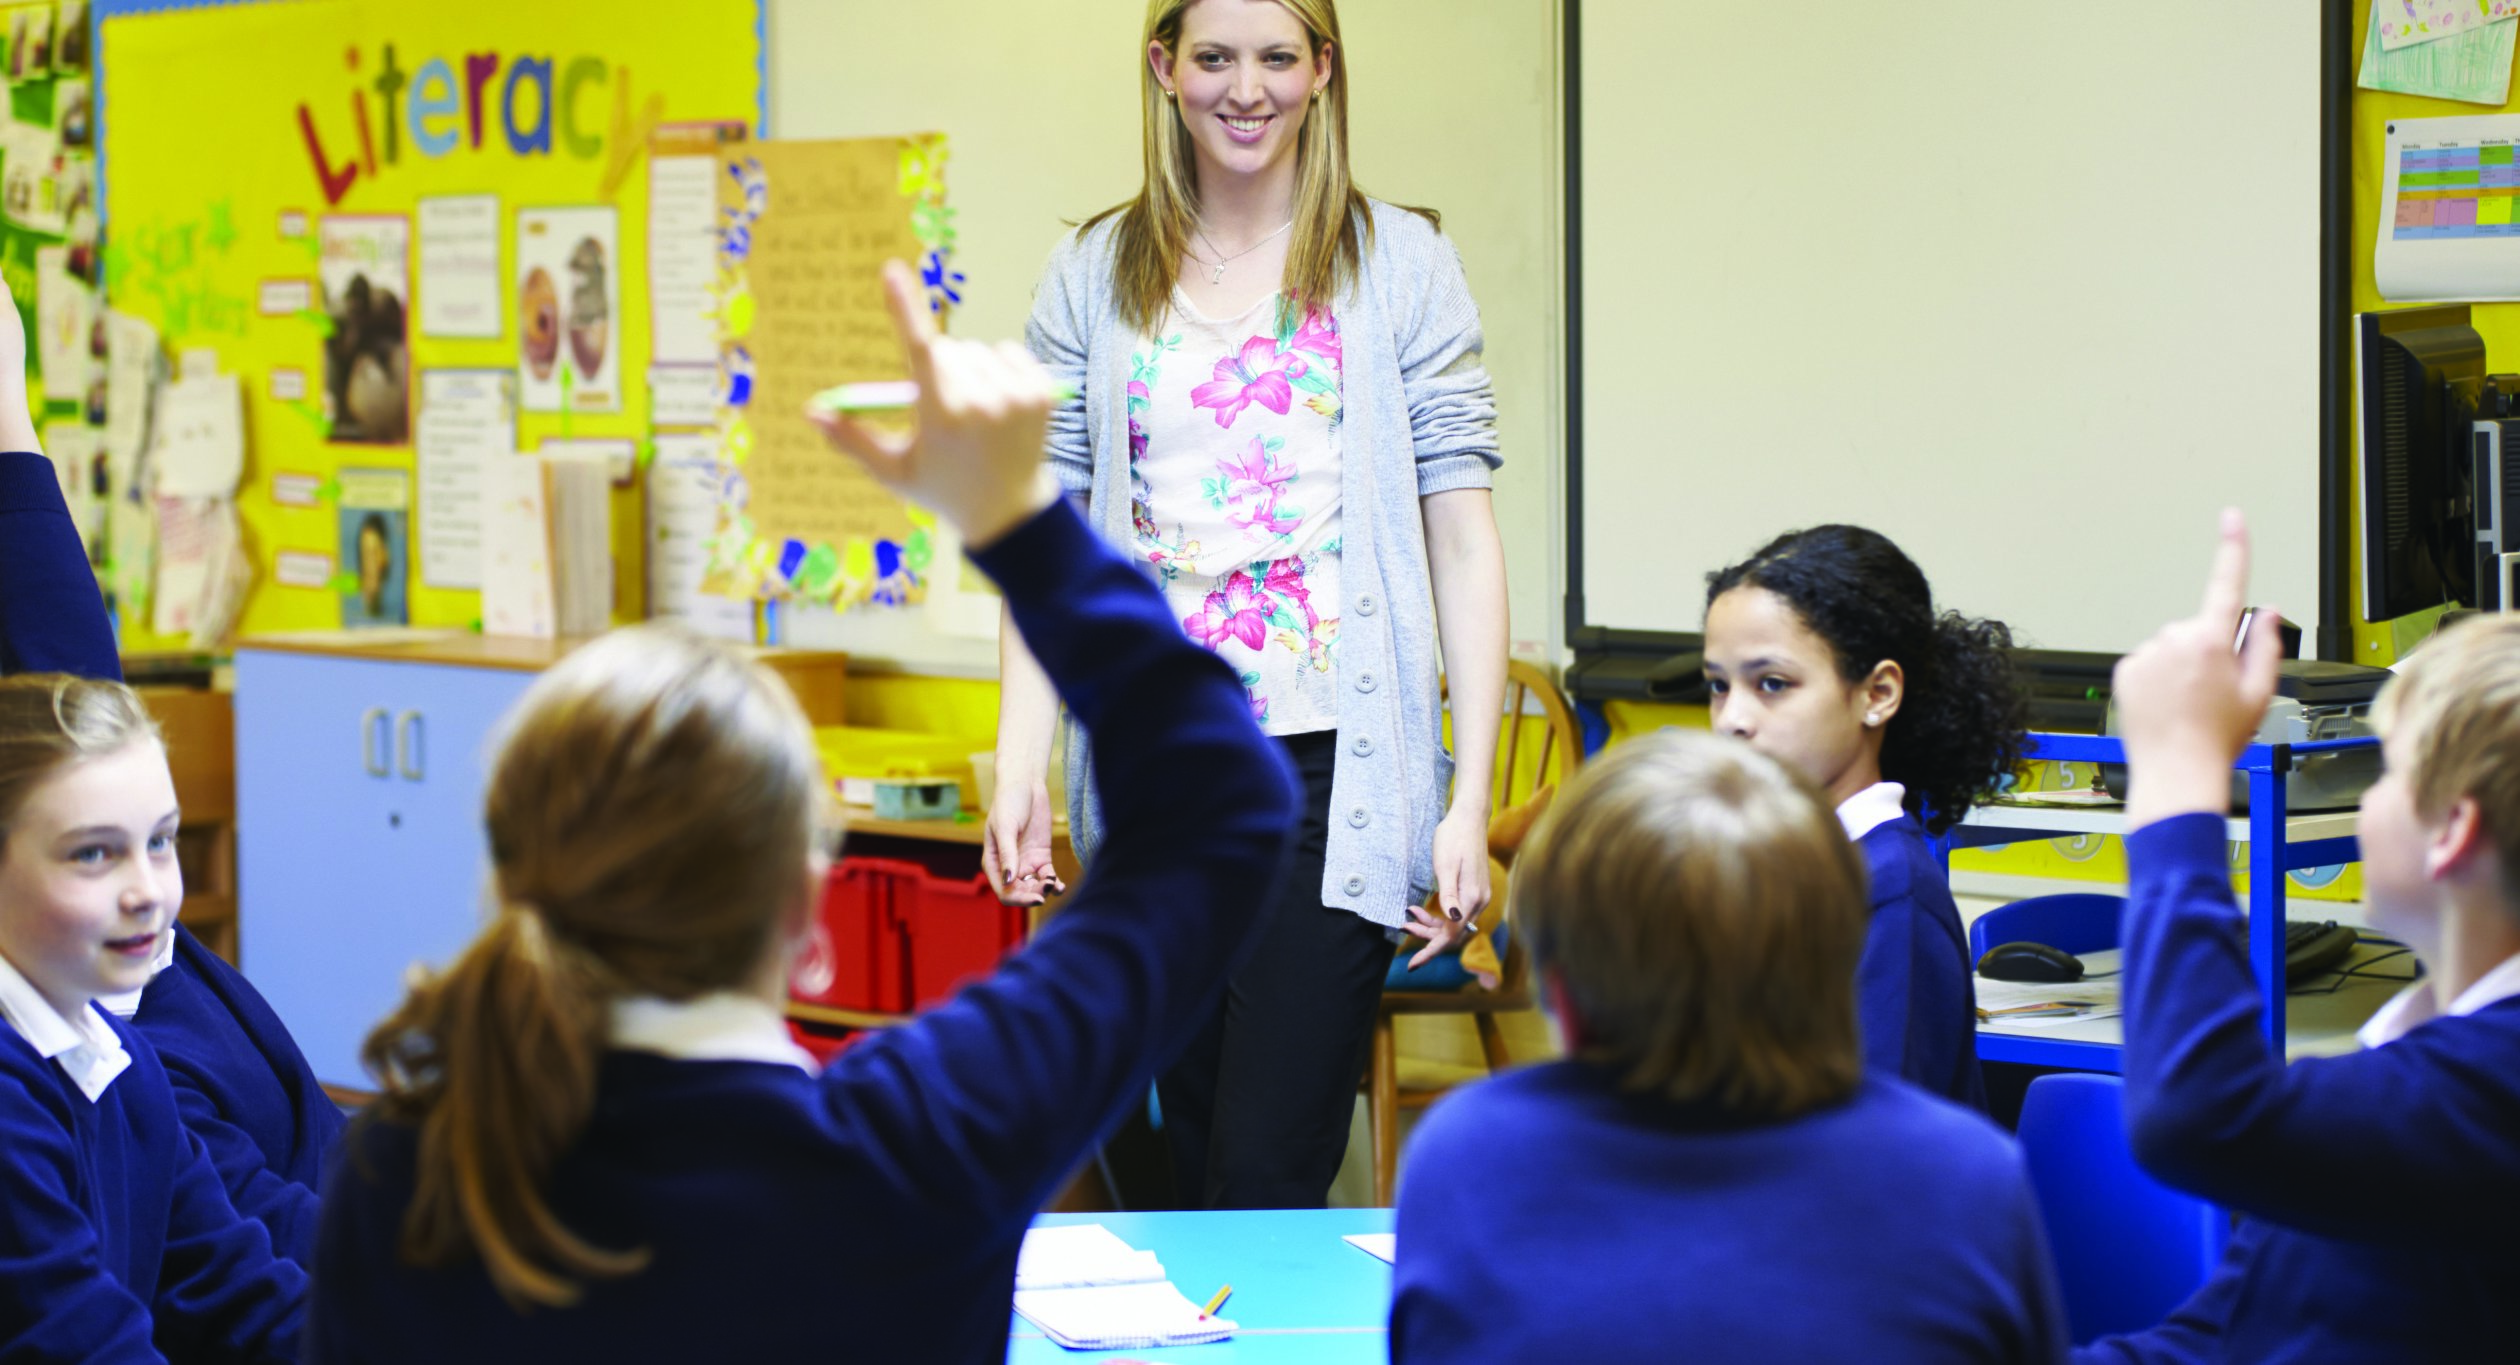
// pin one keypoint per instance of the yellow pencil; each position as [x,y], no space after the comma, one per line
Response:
[1215,1303]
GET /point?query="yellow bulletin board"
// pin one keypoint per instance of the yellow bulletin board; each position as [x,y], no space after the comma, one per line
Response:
[250,149]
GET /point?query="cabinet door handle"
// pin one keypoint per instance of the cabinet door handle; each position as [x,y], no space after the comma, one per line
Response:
[371,754]
[409,734]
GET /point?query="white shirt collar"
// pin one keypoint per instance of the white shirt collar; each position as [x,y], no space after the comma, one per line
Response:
[125,1004]
[2418,1004]
[85,1047]
[1871,808]
[720,1027]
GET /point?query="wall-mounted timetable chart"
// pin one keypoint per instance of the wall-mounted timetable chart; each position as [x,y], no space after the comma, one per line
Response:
[2450,210]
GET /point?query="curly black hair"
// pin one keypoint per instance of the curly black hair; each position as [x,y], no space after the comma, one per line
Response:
[1959,730]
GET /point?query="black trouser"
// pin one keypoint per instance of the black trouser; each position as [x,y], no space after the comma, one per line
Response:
[1256,1110]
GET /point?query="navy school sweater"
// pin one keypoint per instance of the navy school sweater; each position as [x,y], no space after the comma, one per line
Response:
[117,1243]
[2379,1190]
[244,1088]
[52,615]
[1548,1216]
[1912,988]
[874,1212]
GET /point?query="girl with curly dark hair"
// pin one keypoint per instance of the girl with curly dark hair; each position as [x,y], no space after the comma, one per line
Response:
[1824,649]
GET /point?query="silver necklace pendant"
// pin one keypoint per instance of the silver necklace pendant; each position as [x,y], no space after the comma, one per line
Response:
[1216,275]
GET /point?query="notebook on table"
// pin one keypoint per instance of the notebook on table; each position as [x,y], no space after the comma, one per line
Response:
[1090,1291]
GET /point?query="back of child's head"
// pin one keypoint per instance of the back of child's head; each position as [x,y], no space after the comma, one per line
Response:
[652,813]
[2452,716]
[1960,724]
[51,720]
[1701,912]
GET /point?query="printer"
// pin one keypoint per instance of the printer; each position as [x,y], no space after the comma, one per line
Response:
[2314,700]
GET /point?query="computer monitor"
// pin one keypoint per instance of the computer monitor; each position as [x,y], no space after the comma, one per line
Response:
[2421,372]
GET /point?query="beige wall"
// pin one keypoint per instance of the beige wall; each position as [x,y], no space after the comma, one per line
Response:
[1455,108]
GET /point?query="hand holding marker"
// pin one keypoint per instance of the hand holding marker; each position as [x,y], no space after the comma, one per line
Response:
[898,395]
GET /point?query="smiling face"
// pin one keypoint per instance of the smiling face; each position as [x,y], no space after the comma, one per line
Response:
[1775,682]
[88,878]
[1242,76]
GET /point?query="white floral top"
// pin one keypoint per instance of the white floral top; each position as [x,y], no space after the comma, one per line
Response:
[1234,497]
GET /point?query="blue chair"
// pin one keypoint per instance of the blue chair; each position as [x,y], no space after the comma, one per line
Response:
[2077,923]
[2127,1248]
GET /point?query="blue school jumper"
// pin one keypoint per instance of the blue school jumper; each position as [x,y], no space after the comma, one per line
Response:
[1547,1215]
[244,1088]
[117,1243]
[2379,1190]
[873,1212]
[52,615]
[1912,988]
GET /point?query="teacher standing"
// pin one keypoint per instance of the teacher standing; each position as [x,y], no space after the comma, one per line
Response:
[1284,415]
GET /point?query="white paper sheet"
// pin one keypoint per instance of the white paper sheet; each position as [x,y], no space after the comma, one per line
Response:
[683,395]
[183,563]
[467,420]
[199,445]
[516,587]
[2448,227]
[1382,1246]
[65,308]
[682,259]
[132,370]
[459,266]
[682,513]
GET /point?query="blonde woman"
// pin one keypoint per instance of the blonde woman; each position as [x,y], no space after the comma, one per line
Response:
[1285,420]
[595,1139]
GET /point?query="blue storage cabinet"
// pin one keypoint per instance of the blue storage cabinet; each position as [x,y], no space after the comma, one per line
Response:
[359,840]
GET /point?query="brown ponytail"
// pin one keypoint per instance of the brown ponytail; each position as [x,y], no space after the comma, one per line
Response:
[651,816]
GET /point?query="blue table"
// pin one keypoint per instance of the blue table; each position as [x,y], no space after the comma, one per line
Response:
[1300,1293]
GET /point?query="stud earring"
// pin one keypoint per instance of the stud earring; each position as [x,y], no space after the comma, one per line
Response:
[1873,720]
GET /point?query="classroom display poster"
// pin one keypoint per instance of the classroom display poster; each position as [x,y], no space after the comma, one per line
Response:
[366,274]
[375,546]
[254,143]
[805,228]
[568,309]
[2448,194]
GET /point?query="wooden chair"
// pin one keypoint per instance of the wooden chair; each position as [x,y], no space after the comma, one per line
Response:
[1529,694]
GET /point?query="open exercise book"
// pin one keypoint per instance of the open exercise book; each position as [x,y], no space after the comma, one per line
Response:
[1090,1291]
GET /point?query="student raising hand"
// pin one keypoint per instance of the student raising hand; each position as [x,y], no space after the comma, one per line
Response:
[974,453]
[2188,702]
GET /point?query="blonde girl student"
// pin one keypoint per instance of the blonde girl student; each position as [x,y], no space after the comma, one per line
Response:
[1712,1173]
[595,1140]
[117,1240]
[1825,649]
[240,1082]
[1285,420]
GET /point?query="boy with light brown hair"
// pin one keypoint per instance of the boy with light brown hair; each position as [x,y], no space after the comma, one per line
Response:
[2377,1190]
[1711,1174]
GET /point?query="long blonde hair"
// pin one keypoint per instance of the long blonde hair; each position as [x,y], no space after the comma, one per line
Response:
[651,815]
[1333,224]
[1703,913]
[51,720]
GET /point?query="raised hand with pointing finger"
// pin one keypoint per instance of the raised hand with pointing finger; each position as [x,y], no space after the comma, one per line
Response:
[2188,703]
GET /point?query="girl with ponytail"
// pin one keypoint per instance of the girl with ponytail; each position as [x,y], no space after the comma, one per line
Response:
[595,1140]
[1825,649]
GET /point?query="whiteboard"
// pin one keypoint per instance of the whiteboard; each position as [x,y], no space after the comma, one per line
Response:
[2033,289]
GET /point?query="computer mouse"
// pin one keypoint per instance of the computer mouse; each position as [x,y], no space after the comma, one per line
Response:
[2029,962]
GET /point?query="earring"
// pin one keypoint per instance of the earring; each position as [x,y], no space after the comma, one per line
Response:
[1168,94]
[1873,720]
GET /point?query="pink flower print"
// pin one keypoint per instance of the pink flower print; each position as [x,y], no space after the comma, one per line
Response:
[1233,612]
[1286,579]
[1256,471]
[1266,519]
[1319,336]
[1259,373]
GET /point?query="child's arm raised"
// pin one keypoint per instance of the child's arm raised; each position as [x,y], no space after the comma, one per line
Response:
[985,1103]
[2211,1106]
[52,618]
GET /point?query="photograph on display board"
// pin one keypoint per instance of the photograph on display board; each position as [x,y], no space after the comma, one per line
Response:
[568,307]
[74,115]
[70,37]
[366,278]
[30,42]
[375,513]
